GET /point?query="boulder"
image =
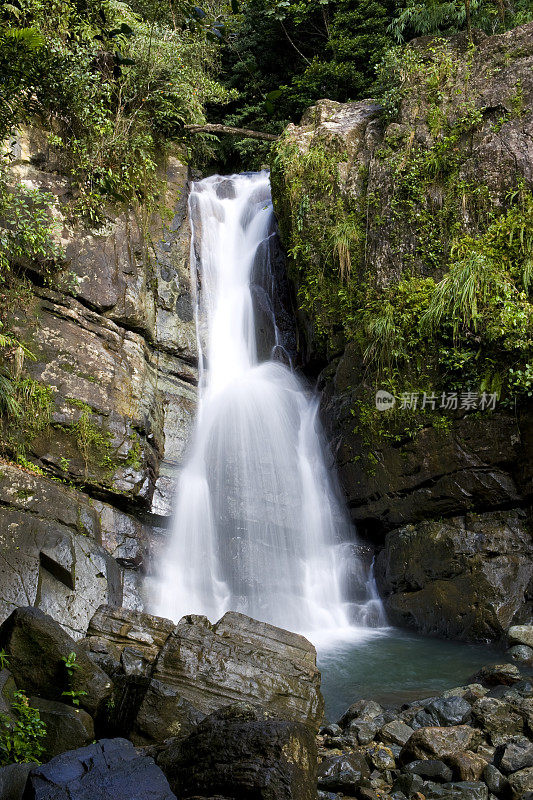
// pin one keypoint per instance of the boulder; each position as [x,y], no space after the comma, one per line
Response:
[408,783]
[520,653]
[498,675]
[344,773]
[125,644]
[521,634]
[203,667]
[363,710]
[365,793]
[110,769]
[437,743]
[467,766]
[464,790]
[496,782]
[442,577]
[521,782]
[381,757]
[330,730]
[449,711]
[67,728]
[36,646]
[430,769]
[497,719]
[363,730]
[514,756]
[163,713]
[116,635]
[395,732]
[13,780]
[525,708]
[242,751]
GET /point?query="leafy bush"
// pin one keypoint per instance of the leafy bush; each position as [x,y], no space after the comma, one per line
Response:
[423,17]
[21,737]
[115,82]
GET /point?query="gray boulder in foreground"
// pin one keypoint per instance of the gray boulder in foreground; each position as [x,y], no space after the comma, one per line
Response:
[195,668]
[110,769]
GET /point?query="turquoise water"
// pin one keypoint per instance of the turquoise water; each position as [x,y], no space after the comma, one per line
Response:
[394,666]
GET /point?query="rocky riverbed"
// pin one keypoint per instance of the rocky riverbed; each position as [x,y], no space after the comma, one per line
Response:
[155,711]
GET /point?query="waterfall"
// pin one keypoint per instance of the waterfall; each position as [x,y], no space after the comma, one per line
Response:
[259,525]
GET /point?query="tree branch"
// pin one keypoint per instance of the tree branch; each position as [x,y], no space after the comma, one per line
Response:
[212,128]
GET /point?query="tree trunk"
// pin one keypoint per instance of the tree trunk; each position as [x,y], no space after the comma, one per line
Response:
[215,128]
[468,24]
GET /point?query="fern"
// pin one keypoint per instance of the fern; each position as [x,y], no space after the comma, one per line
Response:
[386,341]
[25,37]
[344,236]
[9,404]
[430,17]
[469,283]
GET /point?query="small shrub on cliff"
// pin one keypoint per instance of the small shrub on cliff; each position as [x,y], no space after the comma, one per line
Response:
[468,285]
[94,444]
[27,230]
[21,737]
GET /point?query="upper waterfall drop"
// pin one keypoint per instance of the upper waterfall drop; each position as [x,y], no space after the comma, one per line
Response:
[259,526]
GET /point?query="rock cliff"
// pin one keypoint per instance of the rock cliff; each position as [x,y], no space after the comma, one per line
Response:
[378,203]
[111,355]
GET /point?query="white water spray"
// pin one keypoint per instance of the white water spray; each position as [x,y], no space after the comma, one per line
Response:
[259,526]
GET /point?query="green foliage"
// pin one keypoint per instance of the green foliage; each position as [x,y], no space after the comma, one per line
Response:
[27,238]
[72,667]
[423,17]
[115,81]
[326,232]
[457,310]
[94,444]
[27,229]
[283,56]
[21,736]
[25,411]
[464,290]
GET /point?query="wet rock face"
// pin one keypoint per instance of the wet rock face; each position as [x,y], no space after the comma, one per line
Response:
[476,466]
[466,577]
[481,463]
[37,647]
[242,659]
[115,344]
[64,551]
[169,677]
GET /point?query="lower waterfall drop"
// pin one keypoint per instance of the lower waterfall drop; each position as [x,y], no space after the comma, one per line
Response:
[259,524]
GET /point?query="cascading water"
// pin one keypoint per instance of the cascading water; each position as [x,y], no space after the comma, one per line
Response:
[259,526]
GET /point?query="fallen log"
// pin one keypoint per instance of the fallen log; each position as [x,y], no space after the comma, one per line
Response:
[215,128]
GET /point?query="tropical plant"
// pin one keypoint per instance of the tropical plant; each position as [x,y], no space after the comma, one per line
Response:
[72,667]
[22,734]
[459,296]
